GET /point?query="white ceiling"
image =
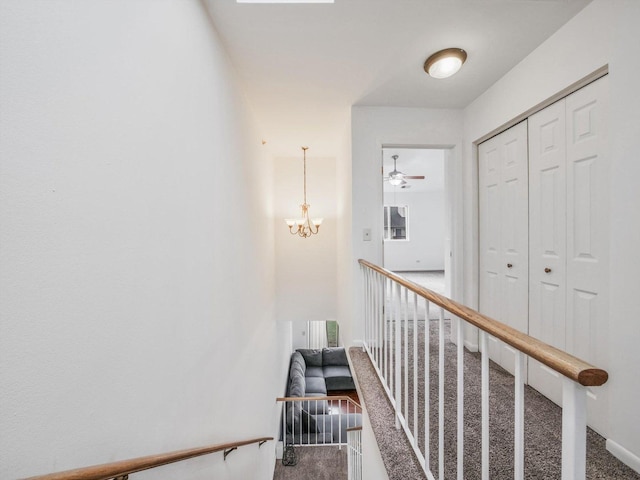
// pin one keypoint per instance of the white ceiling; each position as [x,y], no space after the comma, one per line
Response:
[304,65]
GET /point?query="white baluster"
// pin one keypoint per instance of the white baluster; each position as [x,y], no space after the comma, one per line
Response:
[339,424]
[485,403]
[460,396]
[405,348]
[427,389]
[441,396]
[378,321]
[385,335]
[518,440]
[398,358]
[574,430]
[367,308]
[415,367]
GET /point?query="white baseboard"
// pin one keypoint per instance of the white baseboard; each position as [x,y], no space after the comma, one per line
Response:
[358,343]
[624,455]
[472,347]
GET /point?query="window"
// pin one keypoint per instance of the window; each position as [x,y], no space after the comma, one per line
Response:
[396,222]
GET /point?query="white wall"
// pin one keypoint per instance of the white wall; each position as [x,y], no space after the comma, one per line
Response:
[625,231]
[373,127]
[305,267]
[605,32]
[425,248]
[137,310]
[344,249]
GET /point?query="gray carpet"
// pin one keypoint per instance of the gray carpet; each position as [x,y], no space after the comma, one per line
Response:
[396,452]
[543,422]
[315,463]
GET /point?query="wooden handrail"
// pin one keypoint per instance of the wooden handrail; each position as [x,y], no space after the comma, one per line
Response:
[571,367]
[354,429]
[108,471]
[311,399]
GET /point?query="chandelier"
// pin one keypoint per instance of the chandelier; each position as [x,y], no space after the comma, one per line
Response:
[304,226]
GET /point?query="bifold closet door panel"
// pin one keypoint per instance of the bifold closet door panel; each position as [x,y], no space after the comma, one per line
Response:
[547,241]
[588,194]
[544,229]
[504,234]
[489,224]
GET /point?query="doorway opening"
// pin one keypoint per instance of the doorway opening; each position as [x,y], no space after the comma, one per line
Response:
[416,224]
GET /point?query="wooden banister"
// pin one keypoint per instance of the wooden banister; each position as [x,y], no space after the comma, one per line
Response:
[108,471]
[572,367]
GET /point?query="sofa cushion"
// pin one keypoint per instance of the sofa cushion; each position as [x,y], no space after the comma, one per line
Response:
[336,371]
[316,407]
[312,357]
[292,416]
[334,357]
[299,419]
[314,372]
[315,386]
[298,365]
[297,386]
[308,422]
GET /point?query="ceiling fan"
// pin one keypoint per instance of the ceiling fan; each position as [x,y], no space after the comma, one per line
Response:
[397,178]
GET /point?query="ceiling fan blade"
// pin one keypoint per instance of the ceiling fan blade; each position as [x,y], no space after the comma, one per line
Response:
[414,177]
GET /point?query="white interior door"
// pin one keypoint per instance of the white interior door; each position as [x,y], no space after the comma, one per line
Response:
[587,236]
[568,211]
[547,241]
[504,235]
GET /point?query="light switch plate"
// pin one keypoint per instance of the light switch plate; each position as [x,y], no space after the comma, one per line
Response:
[366,234]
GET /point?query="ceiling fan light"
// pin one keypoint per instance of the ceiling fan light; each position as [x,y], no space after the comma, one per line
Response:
[396,180]
[445,63]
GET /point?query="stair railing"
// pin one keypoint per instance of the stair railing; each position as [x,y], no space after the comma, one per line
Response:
[318,421]
[354,453]
[389,312]
[121,470]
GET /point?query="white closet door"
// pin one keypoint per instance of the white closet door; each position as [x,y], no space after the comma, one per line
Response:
[587,236]
[568,209]
[504,235]
[547,240]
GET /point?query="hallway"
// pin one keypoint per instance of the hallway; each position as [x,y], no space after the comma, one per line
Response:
[542,421]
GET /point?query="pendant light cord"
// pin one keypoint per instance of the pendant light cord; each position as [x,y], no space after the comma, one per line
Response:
[304,149]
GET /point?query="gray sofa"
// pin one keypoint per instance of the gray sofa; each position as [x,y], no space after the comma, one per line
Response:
[314,373]
[324,370]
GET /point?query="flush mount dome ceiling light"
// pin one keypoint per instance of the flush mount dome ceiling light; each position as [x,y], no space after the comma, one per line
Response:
[445,63]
